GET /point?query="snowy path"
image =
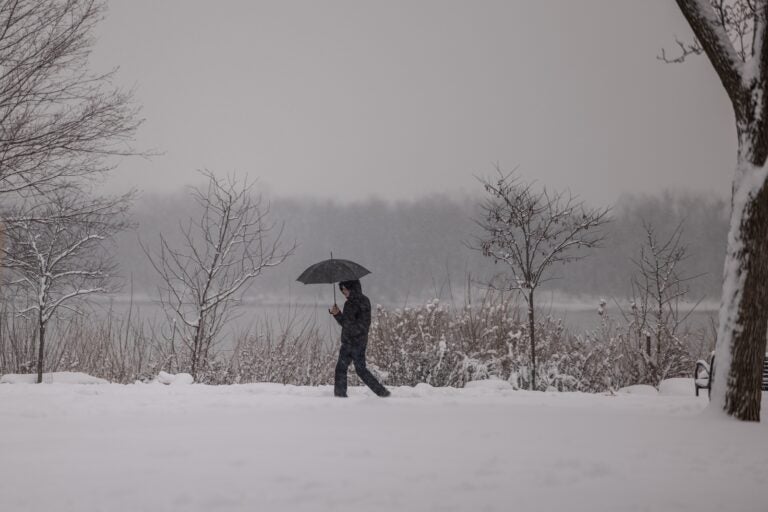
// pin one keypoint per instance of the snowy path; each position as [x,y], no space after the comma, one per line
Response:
[272,448]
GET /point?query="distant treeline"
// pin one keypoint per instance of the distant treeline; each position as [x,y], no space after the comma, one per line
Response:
[418,249]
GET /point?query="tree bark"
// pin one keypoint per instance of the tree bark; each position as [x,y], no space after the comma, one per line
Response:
[195,352]
[744,312]
[40,348]
[744,306]
[532,330]
[198,345]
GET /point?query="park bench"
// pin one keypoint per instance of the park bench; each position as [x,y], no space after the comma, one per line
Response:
[704,372]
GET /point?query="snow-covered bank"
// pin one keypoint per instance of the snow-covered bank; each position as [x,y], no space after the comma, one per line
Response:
[268,447]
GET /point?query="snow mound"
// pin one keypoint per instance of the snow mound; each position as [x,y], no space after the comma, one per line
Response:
[423,390]
[178,379]
[492,384]
[52,378]
[639,389]
[677,387]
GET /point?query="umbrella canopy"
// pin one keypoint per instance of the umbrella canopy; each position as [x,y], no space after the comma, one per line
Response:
[333,271]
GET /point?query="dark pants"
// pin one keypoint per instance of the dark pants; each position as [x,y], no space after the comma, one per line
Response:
[354,354]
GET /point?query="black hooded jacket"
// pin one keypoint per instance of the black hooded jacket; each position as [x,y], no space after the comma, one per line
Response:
[355,319]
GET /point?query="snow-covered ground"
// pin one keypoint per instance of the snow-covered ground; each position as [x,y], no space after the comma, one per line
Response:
[267,447]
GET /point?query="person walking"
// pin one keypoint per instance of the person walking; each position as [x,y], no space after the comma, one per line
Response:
[355,321]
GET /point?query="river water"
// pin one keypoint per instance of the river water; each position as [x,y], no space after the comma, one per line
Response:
[250,316]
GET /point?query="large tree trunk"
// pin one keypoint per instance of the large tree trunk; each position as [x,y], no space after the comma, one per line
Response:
[744,306]
[743,325]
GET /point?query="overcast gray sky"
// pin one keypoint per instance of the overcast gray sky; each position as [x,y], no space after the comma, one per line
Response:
[398,99]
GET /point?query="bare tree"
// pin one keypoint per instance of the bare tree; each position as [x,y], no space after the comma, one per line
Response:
[656,323]
[732,34]
[57,252]
[57,119]
[530,231]
[231,243]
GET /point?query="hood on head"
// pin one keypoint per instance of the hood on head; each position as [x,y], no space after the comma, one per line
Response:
[353,287]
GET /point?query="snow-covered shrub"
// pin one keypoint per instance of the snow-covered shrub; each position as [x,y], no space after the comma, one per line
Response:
[295,354]
[619,354]
[17,343]
[658,341]
[443,346]
[432,343]
[600,363]
[108,347]
[412,344]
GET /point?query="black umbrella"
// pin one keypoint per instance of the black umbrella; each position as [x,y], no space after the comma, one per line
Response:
[333,271]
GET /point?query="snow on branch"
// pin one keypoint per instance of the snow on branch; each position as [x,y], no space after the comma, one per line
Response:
[58,120]
[221,252]
[54,245]
[54,249]
[530,231]
[730,32]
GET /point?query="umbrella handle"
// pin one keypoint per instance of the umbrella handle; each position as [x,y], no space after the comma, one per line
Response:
[333,285]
